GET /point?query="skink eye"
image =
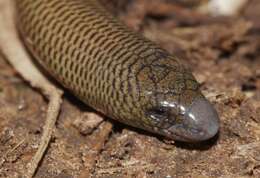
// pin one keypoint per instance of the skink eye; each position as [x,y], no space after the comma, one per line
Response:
[158,114]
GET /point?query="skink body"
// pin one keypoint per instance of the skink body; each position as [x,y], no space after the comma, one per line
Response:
[115,70]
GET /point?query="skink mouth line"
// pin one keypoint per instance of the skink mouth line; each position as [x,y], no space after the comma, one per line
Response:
[175,135]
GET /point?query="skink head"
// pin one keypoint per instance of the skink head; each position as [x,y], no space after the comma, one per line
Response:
[173,105]
[191,123]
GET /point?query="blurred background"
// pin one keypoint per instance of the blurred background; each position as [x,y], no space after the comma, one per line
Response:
[219,40]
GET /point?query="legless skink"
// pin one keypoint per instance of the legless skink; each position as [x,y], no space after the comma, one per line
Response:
[115,70]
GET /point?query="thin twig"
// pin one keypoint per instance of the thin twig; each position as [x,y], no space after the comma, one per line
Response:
[15,52]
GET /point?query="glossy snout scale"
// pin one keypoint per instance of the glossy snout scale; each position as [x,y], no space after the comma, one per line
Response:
[115,70]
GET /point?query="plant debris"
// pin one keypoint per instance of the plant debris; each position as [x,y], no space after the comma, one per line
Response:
[224,55]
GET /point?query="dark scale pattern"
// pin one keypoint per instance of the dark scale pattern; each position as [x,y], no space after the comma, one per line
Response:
[106,65]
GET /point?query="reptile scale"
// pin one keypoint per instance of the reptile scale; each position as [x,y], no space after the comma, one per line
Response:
[115,70]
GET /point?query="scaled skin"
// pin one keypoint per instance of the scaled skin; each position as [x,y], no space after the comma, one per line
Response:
[172,104]
[115,70]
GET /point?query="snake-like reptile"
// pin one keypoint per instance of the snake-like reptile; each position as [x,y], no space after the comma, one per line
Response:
[114,69]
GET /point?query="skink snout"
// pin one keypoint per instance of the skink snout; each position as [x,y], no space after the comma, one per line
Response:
[200,122]
[206,120]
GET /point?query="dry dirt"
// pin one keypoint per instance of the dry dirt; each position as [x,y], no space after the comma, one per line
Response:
[224,55]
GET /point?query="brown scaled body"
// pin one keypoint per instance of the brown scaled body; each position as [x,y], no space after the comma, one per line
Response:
[115,70]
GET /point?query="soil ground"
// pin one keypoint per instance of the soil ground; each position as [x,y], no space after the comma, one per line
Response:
[224,55]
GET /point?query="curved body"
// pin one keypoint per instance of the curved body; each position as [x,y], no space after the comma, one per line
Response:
[115,70]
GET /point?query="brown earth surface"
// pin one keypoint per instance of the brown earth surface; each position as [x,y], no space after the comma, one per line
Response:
[224,55]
